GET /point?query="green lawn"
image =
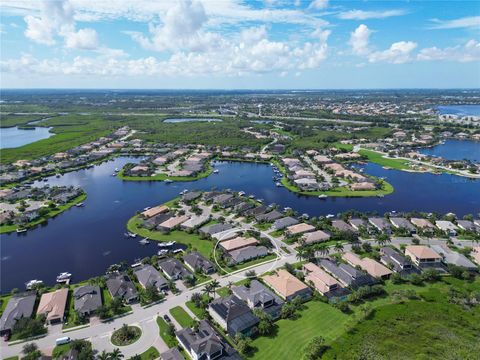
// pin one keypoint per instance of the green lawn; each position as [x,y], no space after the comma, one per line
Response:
[151,354]
[162,177]
[191,306]
[252,262]
[4,299]
[171,341]
[205,247]
[378,158]
[59,350]
[181,316]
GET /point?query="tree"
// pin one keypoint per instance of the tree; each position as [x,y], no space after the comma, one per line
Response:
[416,279]
[29,348]
[243,344]
[323,249]
[208,289]
[338,246]
[251,274]
[214,285]
[266,324]
[431,275]
[382,239]
[103,356]
[197,299]
[314,349]
[116,354]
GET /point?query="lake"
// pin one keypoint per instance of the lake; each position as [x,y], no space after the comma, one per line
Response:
[459,110]
[85,241]
[13,137]
[454,149]
[184,120]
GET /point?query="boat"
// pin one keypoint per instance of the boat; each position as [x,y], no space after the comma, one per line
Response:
[251,196]
[278,184]
[329,216]
[130,234]
[116,170]
[80,204]
[167,244]
[380,196]
[168,181]
[19,231]
[32,283]
[113,174]
[45,180]
[260,201]
[162,252]
[241,193]
[216,171]
[137,264]
[144,242]
[63,277]
[177,251]
[57,176]
[146,208]
[323,196]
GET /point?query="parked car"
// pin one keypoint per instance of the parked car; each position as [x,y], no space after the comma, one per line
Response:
[167,318]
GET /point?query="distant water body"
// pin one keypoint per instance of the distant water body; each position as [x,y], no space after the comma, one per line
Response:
[183,120]
[13,137]
[454,149]
[459,110]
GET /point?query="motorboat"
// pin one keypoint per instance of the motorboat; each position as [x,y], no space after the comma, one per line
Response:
[137,264]
[241,193]
[278,184]
[130,234]
[323,196]
[144,242]
[116,170]
[162,252]
[168,181]
[80,204]
[22,230]
[329,216]
[216,171]
[57,176]
[32,283]
[63,277]
[146,208]
[167,244]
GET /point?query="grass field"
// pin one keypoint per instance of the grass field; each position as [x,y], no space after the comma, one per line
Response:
[191,306]
[150,354]
[378,158]
[14,120]
[181,316]
[171,341]
[162,177]
[205,247]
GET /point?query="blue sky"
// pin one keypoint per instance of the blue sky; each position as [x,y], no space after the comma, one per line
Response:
[239,44]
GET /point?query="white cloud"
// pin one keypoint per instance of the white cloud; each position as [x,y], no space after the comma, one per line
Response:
[56,18]
[398,53]
[318,4]
[359,40]
[465,22]
[364,15]
[470,51]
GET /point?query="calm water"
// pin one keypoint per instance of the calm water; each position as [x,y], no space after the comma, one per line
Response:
[454,149]
[14,137]
[85,241]
[183,120]
[460,110]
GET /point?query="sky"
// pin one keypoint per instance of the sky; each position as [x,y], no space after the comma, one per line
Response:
[239,44]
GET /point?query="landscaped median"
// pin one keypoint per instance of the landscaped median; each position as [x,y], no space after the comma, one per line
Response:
[126,335]
[163,176]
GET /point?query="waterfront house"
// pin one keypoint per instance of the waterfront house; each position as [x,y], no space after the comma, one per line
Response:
[154,211]
[19,306]
[422,255]
[423,224]
[147,275]
[315,237]
[205,343]
[172,354]
[155,221]
[341,225]
[246,253]
[238,243]
[87,299]
[466,225]
[372,267]
[258,296]
[196,262]
[233,315]
[476,254]
[391,258]
[363,186]
[284,222]
[402,223]
[447,227]
[191,196]
[222,199]
[306,184]
[262,209]
[52,305]
[381,224]
[173,269]
[269,217]
[323,282]
[120,286]
[299,229]
[214,229]
[195,221]
[452,257]
[347,274]
[173,222]
[358,224]
[287,286]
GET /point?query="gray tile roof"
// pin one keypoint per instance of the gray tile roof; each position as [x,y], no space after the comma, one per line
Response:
[120,285]
[247,253]
[284,222]
[196,261]
[235,313]
[173,268]
[18,307]
[147,275]
[87,298]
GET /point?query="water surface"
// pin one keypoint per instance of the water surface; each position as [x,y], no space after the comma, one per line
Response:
[459,110]
[183,120]
[454,149]
[13,137]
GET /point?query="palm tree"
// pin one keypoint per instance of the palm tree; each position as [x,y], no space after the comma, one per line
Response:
[323,249]
[116,354]
[338,246]
[300,254]
[214,284]
[208,289]
[103,356]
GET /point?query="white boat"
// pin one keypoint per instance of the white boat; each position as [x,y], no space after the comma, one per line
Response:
[167,244]
[216,171]
[130,234]
[329,216]
[146,208]
[168,181]
[19,231]
[137,264]
[80,204]
[162,252]
[177,251]
[117,170]
[323,196]
[64,276]
[241,193]
[251,196]
[278,184]
[144,242]
[32,283]
[113,174]
[260,201]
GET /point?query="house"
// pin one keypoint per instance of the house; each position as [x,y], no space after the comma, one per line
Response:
[358,224]
[238,243]
[476,254]
[247,253]
[341,225]
[155,221]
[147,275]
[306,184]
[363,186]
[222,199]
[195,221]
[173,269]
[402,223]
[422,255]
[315,237]
[381,224]
[172,354]
[390,257]
[87,299]
[154,211]
[205,343]
[372,267]
[233,315]
[466,225]
[323,282]
[257,211]
[173,222]
[52,305]
[287,286]
[120,286]
[299,229]
[423,224]
[347,274]
[269,217]
[454,258]
[284,222]
[258,296]
[19,306]
[196,262]
[214,229]
[191,196]
[447,226]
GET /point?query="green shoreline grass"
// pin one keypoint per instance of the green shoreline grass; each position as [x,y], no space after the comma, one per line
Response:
[163,177]
[11,228]
[378,158]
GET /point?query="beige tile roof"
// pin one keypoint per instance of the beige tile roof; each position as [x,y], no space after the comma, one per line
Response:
[238,243]
[476,254]
[371,266]
[160,209]
[300,228]
[284,283]
[53,304]
[320,279]
[422,252]
[315,236]
[174,221]
[421,223]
